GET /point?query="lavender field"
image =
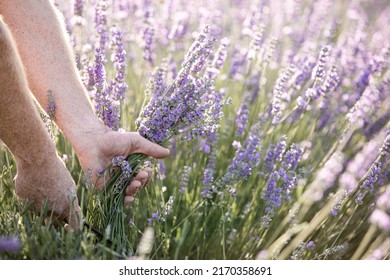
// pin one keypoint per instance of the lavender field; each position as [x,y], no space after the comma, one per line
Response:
[283,149]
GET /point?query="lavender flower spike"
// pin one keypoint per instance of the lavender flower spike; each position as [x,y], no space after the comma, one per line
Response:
[319,71]
[279,94]
[119,85]
[380,215]
[107,109]
[245,160]
[10,244]
[101,23]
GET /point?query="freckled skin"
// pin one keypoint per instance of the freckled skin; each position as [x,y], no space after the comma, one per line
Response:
[36,58]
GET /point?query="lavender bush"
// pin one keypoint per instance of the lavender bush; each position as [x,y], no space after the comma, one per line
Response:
[296,167]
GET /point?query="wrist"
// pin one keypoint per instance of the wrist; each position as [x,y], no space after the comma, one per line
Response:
[84,132]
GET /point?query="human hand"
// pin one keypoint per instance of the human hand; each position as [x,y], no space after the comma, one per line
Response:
[49,180]
[101,146]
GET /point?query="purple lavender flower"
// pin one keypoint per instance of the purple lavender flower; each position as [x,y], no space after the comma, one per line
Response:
[272,193]
[204,146]
[245,160]
[208,176]
[181,108]
[242,119]
[101,23]
[359,165]
[221,54]
[369,183]
[180,26]
[377,254]
[148,32]
[10,244]
[337,207]
[319,71]
[107,109]
[269,160]
[279,94]
[310,245]
[255,45]
[184,179]
[370,100]
[162,169]
[381,218]
[304,71]
[127,172]
[385,149]
[78,7]
[281,183]
[292,157]
[381,214]
[116,161]
[100,172]
[331,81]
[155,216]
[274,155]
[77,18]
[119,85]
[238,64]
[280,149]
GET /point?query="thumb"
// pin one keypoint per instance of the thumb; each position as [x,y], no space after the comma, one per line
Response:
[144,146]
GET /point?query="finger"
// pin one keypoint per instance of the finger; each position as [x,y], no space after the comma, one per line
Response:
[144,146]
[128,199]
[133,188]
[149,171]
[142,176]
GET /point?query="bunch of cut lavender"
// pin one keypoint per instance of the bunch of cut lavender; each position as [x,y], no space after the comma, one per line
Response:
[178,110]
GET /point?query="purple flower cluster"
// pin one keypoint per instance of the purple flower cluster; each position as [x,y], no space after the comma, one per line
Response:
[127,172]
[77,13]
[369,183]
[182,109]
[274,155]
[10,244]
[184,179]
[106,108]
[166,211]
[358,166]
[331,81]
[381,214]
[280,94]
[281,182]
[118,86]
[220,55]
[336,209]
[242,118]
[304,71]
[148,33]
[327,176]
[310,245]
[371,99]
[101,23]
[385,149]
[318,73]
[245,160]
[78,7]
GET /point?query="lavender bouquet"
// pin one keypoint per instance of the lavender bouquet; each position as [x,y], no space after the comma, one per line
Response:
[183,110]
